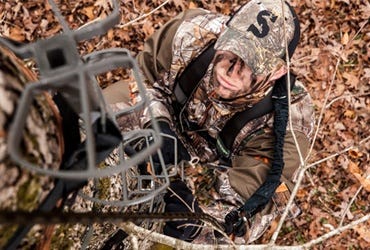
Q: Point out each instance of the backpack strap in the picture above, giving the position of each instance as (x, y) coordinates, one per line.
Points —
(233, 126)
(189, 79)
(187, 82)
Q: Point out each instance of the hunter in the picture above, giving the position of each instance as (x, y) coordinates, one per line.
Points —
(219, 84)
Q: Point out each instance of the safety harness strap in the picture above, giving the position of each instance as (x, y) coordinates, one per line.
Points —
(264, 193)
(233, 126)
(188, 81)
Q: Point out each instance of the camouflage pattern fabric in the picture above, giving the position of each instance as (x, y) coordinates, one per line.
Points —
(191, 37)
(204, 110)
(263, 27)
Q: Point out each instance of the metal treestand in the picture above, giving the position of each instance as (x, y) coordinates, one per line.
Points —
(62, 70)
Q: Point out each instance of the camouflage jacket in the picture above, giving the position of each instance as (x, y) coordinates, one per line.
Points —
(165, 56)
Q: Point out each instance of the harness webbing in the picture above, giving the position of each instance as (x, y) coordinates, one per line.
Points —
(189, 80)
(263, 194)
(233, 126)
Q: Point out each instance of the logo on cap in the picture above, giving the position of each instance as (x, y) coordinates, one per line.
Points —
(264, 28)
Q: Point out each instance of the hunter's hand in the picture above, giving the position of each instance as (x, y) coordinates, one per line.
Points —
(168, 146)
(235, 224)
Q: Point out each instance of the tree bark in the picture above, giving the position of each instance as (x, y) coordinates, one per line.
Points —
(42, 141)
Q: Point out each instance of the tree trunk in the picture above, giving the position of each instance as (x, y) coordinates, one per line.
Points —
(42, 141)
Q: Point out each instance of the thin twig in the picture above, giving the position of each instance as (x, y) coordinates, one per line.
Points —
(345, 96)
(323, 108)
(358, 32)
(349, 205)
(131, 228)
(181, 199)
(339, 153)
(143, 16)
(336, 231)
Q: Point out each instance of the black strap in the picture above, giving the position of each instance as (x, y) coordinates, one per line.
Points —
(187, 82)
(233, 126)
(189, 79)
(264, 193)
(297, 33)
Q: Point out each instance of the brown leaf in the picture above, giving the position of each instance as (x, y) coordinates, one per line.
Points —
(17, 34)
(103, 3)
(353, 168)
(345, 38)
(355, 153)
(350, 114)
(364, 231)
(352, 80)
(89, 12)
(179, 3)
(192, 5)
(110, 34)
(148, 28)
(365, 182)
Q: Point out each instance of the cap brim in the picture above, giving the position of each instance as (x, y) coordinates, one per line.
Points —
(260, 60)
(235, 42)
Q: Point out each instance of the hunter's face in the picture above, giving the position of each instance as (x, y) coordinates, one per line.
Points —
(231, 76)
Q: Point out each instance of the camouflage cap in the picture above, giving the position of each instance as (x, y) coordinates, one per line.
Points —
(257, 33)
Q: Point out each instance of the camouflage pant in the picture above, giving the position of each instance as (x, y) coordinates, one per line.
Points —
(228, 199)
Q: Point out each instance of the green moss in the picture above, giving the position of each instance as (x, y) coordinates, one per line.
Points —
(103, 186)
(300, 238)
(60, 239)
(323, 220)
(28, 194)
(5, 234)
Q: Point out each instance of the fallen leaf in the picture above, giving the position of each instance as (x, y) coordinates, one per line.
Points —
(17, 34)
(352, 80)
(364, 231)
(353, 168)
(192, 5)
(367, 73)
(350, 114)
(345, 38)
(355, 153)
(179, 3)
(105, 4)
(89, 12)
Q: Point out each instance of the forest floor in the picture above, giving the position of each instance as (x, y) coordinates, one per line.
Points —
(332, 60)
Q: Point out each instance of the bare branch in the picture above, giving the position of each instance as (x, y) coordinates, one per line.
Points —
(349, 205)
(339, 153)
(323, 108)
(337, 231)
(141, 233)
(345, 96)
(143, 16)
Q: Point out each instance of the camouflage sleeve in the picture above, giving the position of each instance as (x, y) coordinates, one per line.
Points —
(154, 61)
(155, 58)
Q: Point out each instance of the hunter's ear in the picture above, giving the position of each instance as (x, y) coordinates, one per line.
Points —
(279, 73)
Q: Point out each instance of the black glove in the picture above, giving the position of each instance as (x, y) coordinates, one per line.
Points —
(177, 229)
(168, 146)
(167, 150)
(235, 223)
